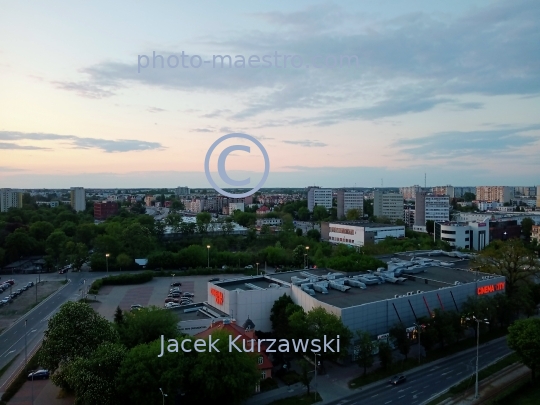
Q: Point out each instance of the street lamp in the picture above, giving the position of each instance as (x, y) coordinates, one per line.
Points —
(315, 360)
(478, 322)
(307, 256)
(107, 261)
(208, 247)
(257, 268)
(164, 395)
(418, 331)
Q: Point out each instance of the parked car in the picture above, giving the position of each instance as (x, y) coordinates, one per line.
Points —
(175, 295)
(136, 307)
(19, 291)
(175, 300)
(30, 284)
(188, 294)
(249, 266)
(397, 379)
(11, 282)
(176, 284)
(175, 289)
(6, 301)
(169, 305)
(39, 375)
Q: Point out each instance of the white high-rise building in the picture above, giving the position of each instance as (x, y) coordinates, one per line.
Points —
(182, 191)
(319, 196)
(78, 198)
(431, 207)
(10, 199)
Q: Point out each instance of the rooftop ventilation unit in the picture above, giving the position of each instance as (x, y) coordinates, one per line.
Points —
(308, 290)
(320, 288)
(273, 285)
(194, 309)
(339, 287)
(419, 292)
(253, 286)
(226, 321)
(355, 283)
(457, 283)
(396, 296)
(410, 293)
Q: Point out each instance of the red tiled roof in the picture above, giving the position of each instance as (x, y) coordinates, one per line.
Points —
(236, 330)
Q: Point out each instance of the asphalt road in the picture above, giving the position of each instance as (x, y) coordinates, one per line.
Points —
(421, 385)
(12, 341)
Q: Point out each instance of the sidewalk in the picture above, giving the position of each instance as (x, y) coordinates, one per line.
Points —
(490, 387)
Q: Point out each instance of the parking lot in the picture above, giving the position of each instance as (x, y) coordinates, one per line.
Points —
(151, 293)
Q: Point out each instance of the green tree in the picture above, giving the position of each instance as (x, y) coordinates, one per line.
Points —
(282, 309)
(137, 240)
(523, 338)
(93, 378)
(203, 220)
(147, 325)
(366, 347)
(86, 232)
(118, 316)
(76, 330)
(403, 343)
(510, 259)
(287, 224)
(526, 227)
(76, 253)
(320, 213)
(298, 255)
(385, 354)
(174, 221)
(303, 214)
(430, 226)
(299, 232)
(41, 230)
(123, 261)
(143, 373)
(208, 384)
(19, 244)
(56, 245)
(353, 214)
(468, 197)
(305, 376)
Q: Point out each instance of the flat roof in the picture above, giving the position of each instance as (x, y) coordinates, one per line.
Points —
(240, 283)
(365, 224)
(195, 315)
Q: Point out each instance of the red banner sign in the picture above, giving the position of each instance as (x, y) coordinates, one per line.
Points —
(486, 289)
(218, 295)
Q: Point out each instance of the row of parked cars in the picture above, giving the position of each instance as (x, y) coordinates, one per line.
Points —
(15, 293)
(176, 297)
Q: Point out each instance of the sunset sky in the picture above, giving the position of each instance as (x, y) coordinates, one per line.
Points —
(451, 89)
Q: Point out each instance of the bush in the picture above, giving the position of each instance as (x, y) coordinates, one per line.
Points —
(290, 378)
(268, 384)
(121, 279)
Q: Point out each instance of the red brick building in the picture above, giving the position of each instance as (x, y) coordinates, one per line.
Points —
(105, 209)
(246, 333)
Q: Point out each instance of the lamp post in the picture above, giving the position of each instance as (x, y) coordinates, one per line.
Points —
(418, 331)
(307, 257)
(478, 322)
(257, 268)
(315, 360)
(107, 261)
(163, 395)
(208, 247)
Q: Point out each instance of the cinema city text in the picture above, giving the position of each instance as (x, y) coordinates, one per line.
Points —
(251, 345)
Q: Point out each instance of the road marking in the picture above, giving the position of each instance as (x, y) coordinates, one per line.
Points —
(413, 392)
(461, 372)
(33, 330)
(8, 353)
(426, 386)
(373, 396)
(448, 377)
(403, 396)
(387, 402)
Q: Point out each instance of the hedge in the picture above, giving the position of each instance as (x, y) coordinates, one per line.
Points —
(121, 279)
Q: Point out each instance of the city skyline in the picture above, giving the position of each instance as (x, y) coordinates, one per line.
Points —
(447, 90)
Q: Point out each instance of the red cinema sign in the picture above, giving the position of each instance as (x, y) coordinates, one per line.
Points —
(486, 289)
(218, 295)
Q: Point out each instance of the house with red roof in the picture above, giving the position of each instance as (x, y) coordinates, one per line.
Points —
(246, 333)
(263, 210)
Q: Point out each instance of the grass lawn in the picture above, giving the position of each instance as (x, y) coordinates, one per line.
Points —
(298, 400)
(530, 395)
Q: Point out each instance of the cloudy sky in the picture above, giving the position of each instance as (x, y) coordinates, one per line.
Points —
(451, 89)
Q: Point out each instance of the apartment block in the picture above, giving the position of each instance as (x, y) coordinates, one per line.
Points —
(409, 193)
(348, 200)
(537, 197)
(525, 191)
(388, 205)
(105, 209)
(10, 199)
(236, 206)
(182, 191)
(431, 207)
(535, 233)
(319, 196)
(78, 198)
(502, 194)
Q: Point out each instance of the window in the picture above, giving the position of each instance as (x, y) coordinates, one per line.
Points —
(260, 359)
(466, 239)
(263, 375)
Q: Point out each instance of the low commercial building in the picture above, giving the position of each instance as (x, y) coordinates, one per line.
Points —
(413, 287)
(269, 222)
(359, 233)
(465, 235)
